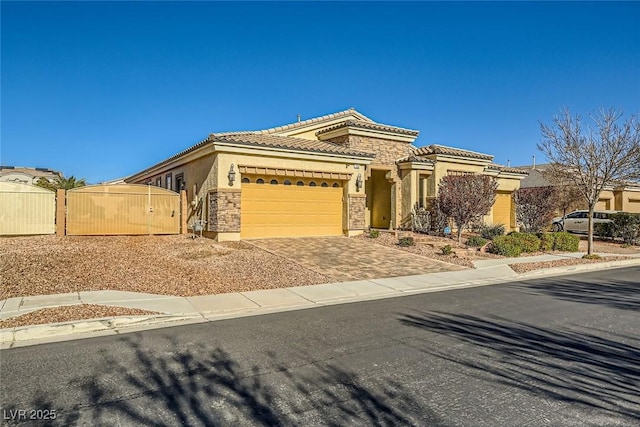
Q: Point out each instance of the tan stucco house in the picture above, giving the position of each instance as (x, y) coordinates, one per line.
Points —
(622, 197)
(27, 175)
(338, 174)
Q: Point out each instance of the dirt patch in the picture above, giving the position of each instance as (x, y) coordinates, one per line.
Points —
(167, 265)
(69, 313)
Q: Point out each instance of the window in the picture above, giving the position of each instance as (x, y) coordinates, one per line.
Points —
(300, 183)
(168, 182)
(335, 185)
(246, 180)
(287, 182)
(324, 184)
(274, 182)
(159, 181)
(179, 182)
(312, 184)
(260, 181)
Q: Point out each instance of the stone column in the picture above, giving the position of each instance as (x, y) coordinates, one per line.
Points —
(224, 211)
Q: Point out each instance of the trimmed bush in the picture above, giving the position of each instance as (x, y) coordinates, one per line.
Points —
(489, 232)
(592, 256)
(447, 250)
(505, 245)
(529, 242)
(566, 242)
(406, 241)
(374, 234)
(627, 226)
(605, 229)
(476, 241)
(546, 241)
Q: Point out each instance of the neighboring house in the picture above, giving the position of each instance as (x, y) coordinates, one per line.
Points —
(621, 197)
(332, 175)
(27, 175)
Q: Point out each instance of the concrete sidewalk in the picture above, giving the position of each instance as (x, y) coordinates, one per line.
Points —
(224, 306)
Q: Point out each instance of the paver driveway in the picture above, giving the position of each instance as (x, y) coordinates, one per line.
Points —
(348, 259)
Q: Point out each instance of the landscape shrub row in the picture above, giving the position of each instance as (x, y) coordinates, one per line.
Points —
(514, 244)
(624, 225)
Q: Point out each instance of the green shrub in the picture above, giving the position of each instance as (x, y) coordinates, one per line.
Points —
(476, 241)
(489, 232)
(546, 241)
(566, 242)
(447, 250)
(505, 245)
(605, 229)
(374, 234)
(627, 226)
(406, 241)
(592, 256)
(529, 242)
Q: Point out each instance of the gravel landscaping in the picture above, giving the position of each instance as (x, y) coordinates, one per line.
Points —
(170, 265)
(70, 312)
(182, 266)
(431, 247)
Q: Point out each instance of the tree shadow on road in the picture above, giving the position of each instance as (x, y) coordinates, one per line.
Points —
(621, 294)
(558, 364)
(203, 385)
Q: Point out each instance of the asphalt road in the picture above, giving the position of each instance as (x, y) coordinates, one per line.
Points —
(549, 352)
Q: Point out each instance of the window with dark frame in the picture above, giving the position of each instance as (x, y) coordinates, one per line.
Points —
(169, 181)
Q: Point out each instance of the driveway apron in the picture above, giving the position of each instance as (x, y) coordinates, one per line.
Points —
(347, 259)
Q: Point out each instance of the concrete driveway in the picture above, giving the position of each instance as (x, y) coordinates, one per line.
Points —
(351, 259)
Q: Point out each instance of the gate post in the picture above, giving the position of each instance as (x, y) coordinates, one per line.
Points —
(61, 212)
(183, 212)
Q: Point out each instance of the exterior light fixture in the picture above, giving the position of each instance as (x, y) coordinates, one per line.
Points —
(232, 176)
(359, 182)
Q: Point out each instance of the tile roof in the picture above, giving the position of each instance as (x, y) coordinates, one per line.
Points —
(288, 143)
(370, 125)
(507, 169)
(415, 159)
(327, 117)
(450, 151)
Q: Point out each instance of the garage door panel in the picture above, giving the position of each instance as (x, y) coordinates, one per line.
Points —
(290, 211)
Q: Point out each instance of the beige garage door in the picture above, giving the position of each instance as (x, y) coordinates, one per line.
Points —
(503, 210)
(277, 207)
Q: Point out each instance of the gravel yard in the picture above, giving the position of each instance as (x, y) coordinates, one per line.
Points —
(431, 247)
(69, 313)
(182, 266)
(169, 265)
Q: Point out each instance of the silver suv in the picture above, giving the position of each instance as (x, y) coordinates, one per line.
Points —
(578, 221)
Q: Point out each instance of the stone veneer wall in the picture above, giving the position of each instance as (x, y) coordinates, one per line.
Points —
(386, 150)
(357, 205)
(224, 211)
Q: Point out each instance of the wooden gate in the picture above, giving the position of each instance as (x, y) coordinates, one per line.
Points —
(129, 209)
(26, 209)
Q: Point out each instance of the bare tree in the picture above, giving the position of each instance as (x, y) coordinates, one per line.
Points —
(535, 207)
(466, 198)
(599, 155)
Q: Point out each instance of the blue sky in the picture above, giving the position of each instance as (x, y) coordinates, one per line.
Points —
(101, 90)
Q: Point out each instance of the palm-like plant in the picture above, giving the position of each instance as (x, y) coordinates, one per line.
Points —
(61, 183)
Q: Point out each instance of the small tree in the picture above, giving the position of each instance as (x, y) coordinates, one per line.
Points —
(594, 157)
(535, 207)
(466, 198)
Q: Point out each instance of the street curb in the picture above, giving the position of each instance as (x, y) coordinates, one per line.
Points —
(10, 336)
(570, 269)
(50, 330)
